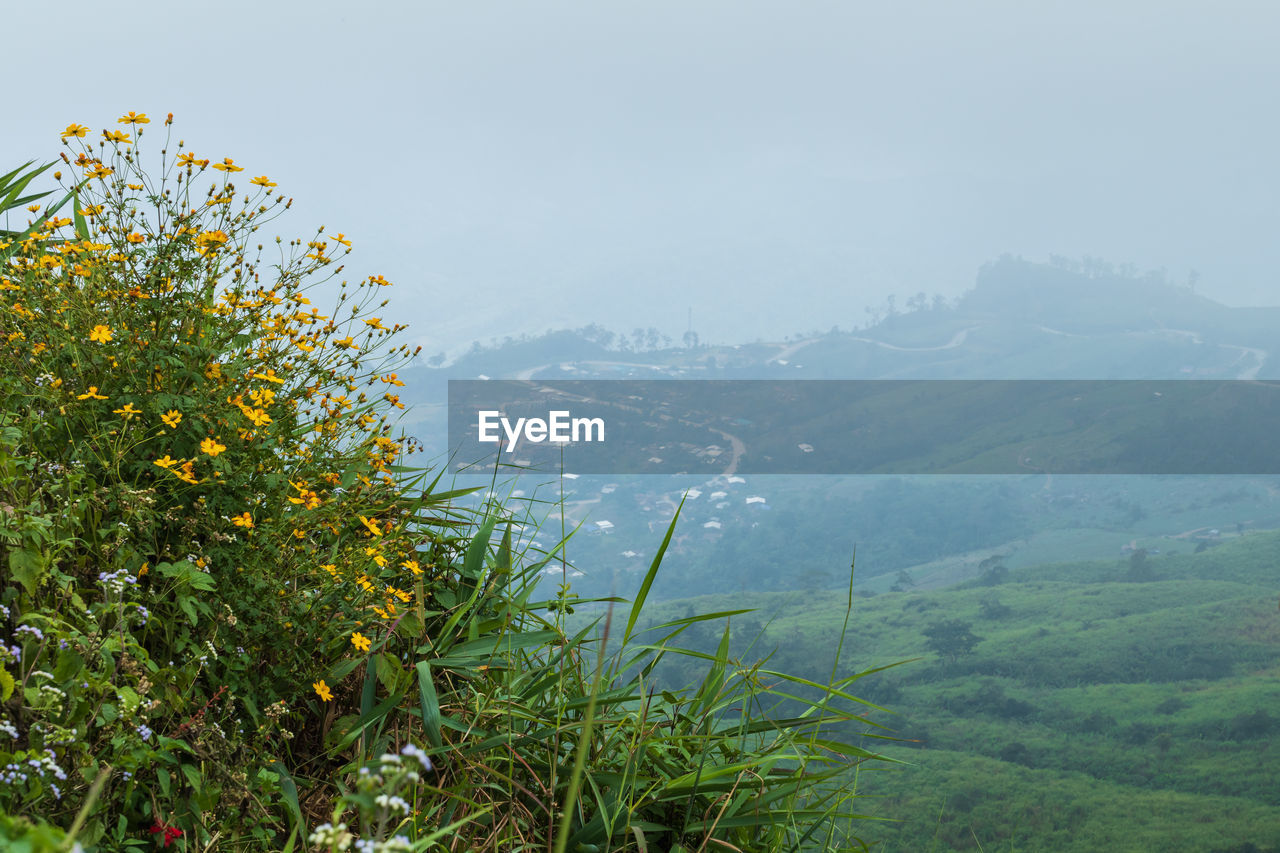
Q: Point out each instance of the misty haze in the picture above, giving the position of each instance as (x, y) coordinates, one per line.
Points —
(258, 592)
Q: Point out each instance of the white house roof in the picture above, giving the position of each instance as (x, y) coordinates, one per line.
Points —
(713, 525)
(604, 525)
(755, 499)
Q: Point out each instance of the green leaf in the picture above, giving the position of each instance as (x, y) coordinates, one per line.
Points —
(193, 777)
(638, 605)
(129, 700)
(187, 573)
(343, 669)
(389, 672)
(82, 227)
(11, 199)
(290, 791)
(6, 687)
(27, 567)
(430, 703)
(710, 688)
(474, 560)
(369, 691)
(411, 624)
(188, 607)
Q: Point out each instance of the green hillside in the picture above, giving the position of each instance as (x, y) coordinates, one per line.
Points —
(1059, 707)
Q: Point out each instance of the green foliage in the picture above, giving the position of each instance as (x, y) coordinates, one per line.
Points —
(1088, 701)
(951, 638)
(234, 617)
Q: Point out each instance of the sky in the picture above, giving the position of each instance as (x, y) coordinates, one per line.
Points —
(764, 168)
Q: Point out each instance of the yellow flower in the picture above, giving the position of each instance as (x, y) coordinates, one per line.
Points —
(211, 447)
(116, 136)
(171, 418)
(309, 499)
(166, 462)
(341, 238)
(243, 520)
(269, 376)
(259, 417)
(373, 527)
(228, 165)
(210, 240)
(412, 565)
(73, 129)
(345, 343)
(133, 118)
(91, 210)
(375, 323)
(322, 690)
(99, 171)
(189, 159)
(360, 641)
(135, 237)
(91, 394)
(187, 474)
(377, 556)
(128, 411)
(100, 334)
(263, 181)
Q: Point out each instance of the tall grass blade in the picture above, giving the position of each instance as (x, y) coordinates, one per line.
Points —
(430, 703)
(638, 605)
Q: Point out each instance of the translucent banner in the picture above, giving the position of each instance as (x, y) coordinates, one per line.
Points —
(867, 426)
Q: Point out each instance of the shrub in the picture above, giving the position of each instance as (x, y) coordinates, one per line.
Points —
(232, 610)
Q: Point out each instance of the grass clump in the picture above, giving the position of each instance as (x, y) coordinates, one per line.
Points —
(235, 617)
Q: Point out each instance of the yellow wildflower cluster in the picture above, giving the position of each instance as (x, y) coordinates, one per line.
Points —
(183, 357)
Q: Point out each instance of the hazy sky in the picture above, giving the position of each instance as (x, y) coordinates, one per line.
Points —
(774, 167)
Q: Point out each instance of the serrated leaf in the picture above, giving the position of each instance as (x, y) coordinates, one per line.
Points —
(389, 672)
(27, 567)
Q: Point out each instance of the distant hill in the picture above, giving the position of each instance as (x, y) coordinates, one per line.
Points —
(1020, 320)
